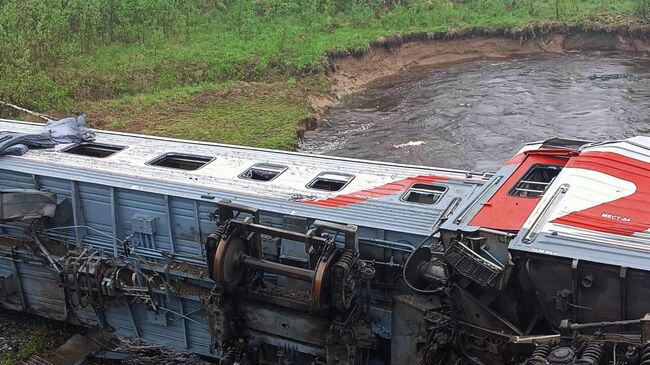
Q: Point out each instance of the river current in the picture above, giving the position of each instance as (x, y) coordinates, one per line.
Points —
(476, 115)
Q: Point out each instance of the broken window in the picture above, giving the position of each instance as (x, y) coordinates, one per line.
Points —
(330, 181)
(263, 172)
(424, 193)
(98, 150)
(535, 181)
(181, 161)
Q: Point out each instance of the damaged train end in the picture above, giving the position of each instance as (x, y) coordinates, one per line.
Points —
(547, 263)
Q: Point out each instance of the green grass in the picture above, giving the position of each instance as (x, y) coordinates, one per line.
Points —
(29, 335)
(254, 114)
(263, 120)
(240, 45)
(137, 55)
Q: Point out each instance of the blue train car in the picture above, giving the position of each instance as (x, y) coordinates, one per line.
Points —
(226, 251)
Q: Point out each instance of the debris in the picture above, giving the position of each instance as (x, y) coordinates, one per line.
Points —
(77, 349)
(409, 144)
(607, 77)
(13, 106)
(67, 130)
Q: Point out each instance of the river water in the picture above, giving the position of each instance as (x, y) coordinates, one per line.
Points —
(476, 115)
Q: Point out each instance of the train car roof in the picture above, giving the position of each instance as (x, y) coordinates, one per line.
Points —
(210, 171)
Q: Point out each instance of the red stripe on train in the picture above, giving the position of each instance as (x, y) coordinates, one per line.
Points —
(391, 188)
(624, 216)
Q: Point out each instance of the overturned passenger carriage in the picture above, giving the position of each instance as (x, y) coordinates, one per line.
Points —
(254, 256)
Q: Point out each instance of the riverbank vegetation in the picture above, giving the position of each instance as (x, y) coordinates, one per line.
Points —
(233, 71)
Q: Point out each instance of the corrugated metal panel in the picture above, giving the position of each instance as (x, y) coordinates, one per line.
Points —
(40, 287)
(386, 213)
(189, 331)
(186, 231)
(200, 338)
(180, 324)
(128, 169)
(407, 217)
(118, 316)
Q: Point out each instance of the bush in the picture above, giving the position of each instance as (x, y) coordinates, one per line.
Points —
(25, 85)
(41, 34)
(643, 8)
(44, 25)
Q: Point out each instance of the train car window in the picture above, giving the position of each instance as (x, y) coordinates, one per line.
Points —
(330, 181)
(181, 161)
(535, 181)
(91, 149)
(424, 193)
(263, 172)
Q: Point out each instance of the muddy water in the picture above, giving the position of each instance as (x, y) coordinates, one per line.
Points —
(476, 115)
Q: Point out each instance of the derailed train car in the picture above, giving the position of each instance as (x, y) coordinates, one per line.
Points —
(253, 256)
(548, 262)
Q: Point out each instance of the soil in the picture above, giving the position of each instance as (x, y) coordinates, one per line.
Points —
(9, 242)
(193, 290)
(354, 73)
(143, 353)
(193, 270)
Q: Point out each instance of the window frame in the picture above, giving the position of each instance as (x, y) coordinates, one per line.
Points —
(117, 149)
(404, 197)
(511, 191)
(324, 173)
(153, 162)
(256, 166)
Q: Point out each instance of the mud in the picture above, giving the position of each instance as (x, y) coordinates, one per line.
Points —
(189, 269)
(55, 248)
(193, 290)
(354, 73)
(290, 293)
(9, 242)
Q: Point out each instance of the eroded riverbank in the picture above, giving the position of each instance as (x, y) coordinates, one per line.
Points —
(354, 73)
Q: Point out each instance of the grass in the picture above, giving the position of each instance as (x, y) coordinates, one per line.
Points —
(240, 45)
(233, 71)
(28, 335)
(265, 120)
(254, 114)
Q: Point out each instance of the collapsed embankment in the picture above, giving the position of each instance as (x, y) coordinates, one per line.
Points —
(353, 70)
